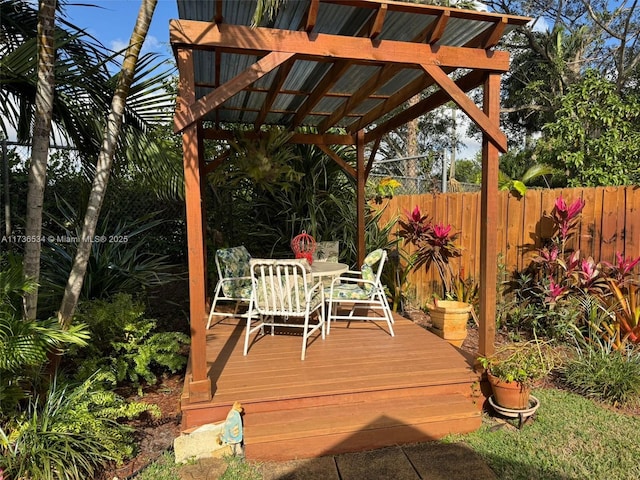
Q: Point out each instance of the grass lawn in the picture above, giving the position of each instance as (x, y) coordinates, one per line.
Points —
(571, 437)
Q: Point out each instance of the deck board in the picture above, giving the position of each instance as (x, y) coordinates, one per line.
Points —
(358, 388)
(355, 356)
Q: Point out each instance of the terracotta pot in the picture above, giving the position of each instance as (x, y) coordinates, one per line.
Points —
(512, 395)
(449, 320)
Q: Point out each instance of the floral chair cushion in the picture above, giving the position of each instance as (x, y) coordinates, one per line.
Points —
(326, 251)
(234, 263)
(353, 291)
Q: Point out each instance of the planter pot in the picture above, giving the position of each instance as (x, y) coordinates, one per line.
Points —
(449, 320)
(511, 395)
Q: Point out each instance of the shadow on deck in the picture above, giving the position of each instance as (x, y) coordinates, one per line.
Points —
(356, 390)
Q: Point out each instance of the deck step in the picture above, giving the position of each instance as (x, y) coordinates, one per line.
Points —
(307, 432)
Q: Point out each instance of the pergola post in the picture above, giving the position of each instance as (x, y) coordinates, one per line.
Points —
(198, 383)
(488, 218)
(361, 179)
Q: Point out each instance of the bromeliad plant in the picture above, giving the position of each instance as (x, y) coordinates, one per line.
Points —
(561, 278)
(434, 243)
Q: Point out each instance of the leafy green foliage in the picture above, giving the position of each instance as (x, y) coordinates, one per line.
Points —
(129, 345)
(595, 137)
(68, 433)
(25, 344)
(164, 468)
(523, 362)
(434, 243)
(239, 469)
(602, 373)
(571, 437)
(120, 261)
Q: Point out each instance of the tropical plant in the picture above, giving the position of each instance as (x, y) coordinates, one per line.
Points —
(434, 243)
(522, 362)
(594, 146)
(25, 343)
(110, 138)
(69, 433)
(80, 71)
(45, 90)
(120, 261)
(621, 325)
(465, 290)
(130, 346)
(601, 372)
(520, 186)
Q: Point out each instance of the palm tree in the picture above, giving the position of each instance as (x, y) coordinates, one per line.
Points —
(105, 161)
(40, 148)
(81, 89)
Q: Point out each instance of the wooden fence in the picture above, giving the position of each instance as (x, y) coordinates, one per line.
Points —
(610, 223)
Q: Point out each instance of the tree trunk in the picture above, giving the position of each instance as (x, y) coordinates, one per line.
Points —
(103, 166)
(39, 149)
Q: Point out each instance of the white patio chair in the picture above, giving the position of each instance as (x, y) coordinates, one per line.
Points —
(283, 291)
(234, 281)
(358, 291)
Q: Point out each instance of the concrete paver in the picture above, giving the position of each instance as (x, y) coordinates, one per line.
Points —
(423, 461)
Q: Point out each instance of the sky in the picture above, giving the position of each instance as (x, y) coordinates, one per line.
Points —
(112, 22)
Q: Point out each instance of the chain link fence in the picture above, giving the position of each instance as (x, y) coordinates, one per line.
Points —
(126, 201)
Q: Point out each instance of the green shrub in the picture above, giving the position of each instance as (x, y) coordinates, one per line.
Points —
(121, 258)
(69, 433)
(605, 374)
(126, 343)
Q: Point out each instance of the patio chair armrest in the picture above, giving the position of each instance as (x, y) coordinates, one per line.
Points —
(233, 279)
(318, 286)
(359, 280)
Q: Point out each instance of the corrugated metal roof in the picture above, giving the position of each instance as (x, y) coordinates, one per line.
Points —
(339, 78)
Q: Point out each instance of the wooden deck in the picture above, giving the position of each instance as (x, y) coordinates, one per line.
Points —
(357, 389)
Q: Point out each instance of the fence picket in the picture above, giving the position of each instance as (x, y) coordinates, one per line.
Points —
(610, 222)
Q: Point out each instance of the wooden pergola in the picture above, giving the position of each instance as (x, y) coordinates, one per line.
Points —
(344, 69)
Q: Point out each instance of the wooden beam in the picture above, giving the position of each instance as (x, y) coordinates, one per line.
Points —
(250, 41)
(488, 127)
(378, 21)
(312, 15)
(437, 99)
(276, 86)
(345, 166)
(199, 383)
(186, 85)
(488, 219)
(372, 156)
(493, 35)
(302, 138)
(215, 163)
(435, 30)
(206, 104)
(426, 9)
(328, 81)
(412, 88)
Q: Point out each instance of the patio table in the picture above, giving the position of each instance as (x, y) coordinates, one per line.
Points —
(328, 269)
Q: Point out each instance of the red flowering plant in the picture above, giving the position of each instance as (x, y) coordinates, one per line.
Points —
(434, 245)
(563, 280)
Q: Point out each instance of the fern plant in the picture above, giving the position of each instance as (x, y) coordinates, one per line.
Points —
(69, 433)
(129, 345)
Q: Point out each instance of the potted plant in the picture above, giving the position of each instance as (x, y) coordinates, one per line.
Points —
(435, 246)
(514, 368)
